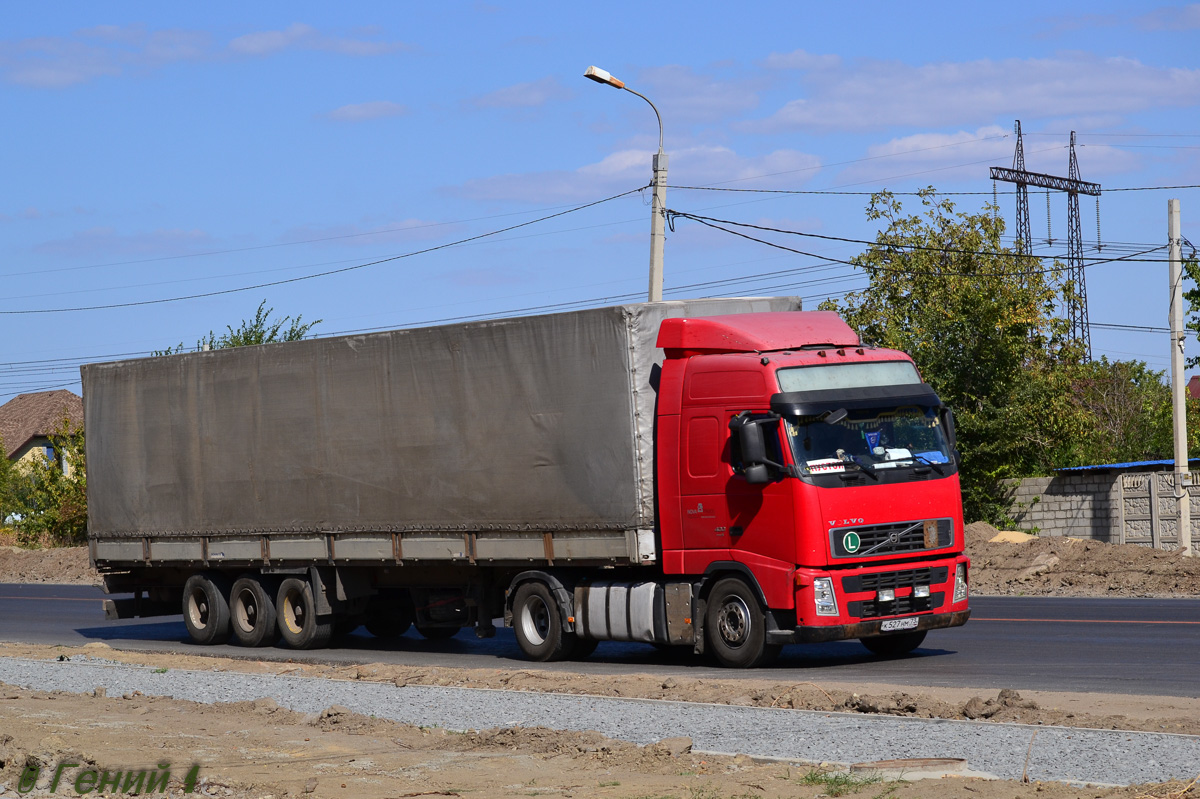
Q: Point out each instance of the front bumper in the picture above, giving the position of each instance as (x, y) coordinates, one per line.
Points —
(863, 629)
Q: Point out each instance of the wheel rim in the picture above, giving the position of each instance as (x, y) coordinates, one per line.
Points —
(198, 608)
(245, 610)
(293, 613)
(535, 621)
(733, 621)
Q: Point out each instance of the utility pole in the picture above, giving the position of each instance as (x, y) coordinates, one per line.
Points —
(1179, 409)
(658, 205)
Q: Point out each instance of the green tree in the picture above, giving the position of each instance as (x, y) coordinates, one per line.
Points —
(1129, 408)
(259, 330)
(978, 318)
(45, 500)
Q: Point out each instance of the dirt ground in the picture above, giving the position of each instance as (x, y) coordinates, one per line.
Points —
(258, 750)
(1033, 566)
(1093, 710)
(1018, 565)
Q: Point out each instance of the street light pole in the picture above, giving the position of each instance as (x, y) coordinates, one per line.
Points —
(658, 203)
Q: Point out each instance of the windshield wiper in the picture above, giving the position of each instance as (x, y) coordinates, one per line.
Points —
(846, 457)
(937, 467)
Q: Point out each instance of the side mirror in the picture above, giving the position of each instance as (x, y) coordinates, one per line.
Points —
(752, 442)
(951, 436)
(757, 474)
(754, 447)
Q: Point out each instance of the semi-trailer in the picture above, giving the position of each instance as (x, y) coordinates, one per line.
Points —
(727, 475)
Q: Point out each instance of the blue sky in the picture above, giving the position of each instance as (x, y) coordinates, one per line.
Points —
(154, 151)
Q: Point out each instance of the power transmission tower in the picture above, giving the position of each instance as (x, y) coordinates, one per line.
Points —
(1077, 311)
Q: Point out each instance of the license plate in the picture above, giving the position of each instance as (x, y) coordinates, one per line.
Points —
(898, 624)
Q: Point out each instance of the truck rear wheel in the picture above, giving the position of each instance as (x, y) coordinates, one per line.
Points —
(736, 626)
(252, 612)
(299, 623)
(538, 624)
(206, 607)
(894, 645)
(437, 633)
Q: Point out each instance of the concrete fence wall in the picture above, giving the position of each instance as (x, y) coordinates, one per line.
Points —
(1114, 507)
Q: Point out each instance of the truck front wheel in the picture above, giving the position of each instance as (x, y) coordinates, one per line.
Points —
(894, 645)
(299, 623)
(538, 624)
(736, 626)
(252, 611)
(206, 608)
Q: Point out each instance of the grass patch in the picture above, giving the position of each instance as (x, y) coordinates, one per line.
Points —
(838, 783)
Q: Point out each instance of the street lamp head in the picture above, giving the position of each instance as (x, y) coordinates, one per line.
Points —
(600, 76)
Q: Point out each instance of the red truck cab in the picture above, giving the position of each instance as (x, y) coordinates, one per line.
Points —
(818, 474)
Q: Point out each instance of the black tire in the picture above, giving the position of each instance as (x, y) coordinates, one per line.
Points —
(252, 611)
(736, 626)
(582, 648)
(206, 607)
(344, 625)
(299, 623)
(437, 633)
(894, 645)
(538, 624)
(389, 617)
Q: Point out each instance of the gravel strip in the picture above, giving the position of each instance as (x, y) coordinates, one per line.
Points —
(1061, 754)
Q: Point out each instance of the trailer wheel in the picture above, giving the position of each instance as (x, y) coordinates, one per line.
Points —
(299, 623)
(736, 627)
(389, 619)
(894, 645)
(206, 607)
(252, 611)
(537, 623)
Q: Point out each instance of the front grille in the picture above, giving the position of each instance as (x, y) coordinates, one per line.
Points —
(900, 606)
(905, 578)
(873, 539)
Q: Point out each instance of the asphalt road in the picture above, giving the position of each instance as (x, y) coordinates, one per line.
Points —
(1129, 646)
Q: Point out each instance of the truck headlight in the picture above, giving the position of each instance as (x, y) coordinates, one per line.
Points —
(960, 583)
(826, 602)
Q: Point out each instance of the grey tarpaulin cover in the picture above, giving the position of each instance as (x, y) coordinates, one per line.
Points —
(536, 423)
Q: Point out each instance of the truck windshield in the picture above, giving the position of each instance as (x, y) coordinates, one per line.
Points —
(870, 441)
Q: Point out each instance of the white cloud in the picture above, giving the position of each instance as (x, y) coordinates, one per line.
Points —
(55, 62)
(107, 242)
(305, 37)
(801, 59)
(362, 112)
(685, 96)
(625, 169)
(364, 233)
(1171, 18)
(938, 158)
(868, 94)
(525, 95)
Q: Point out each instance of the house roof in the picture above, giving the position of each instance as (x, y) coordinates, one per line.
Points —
(27, 416)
